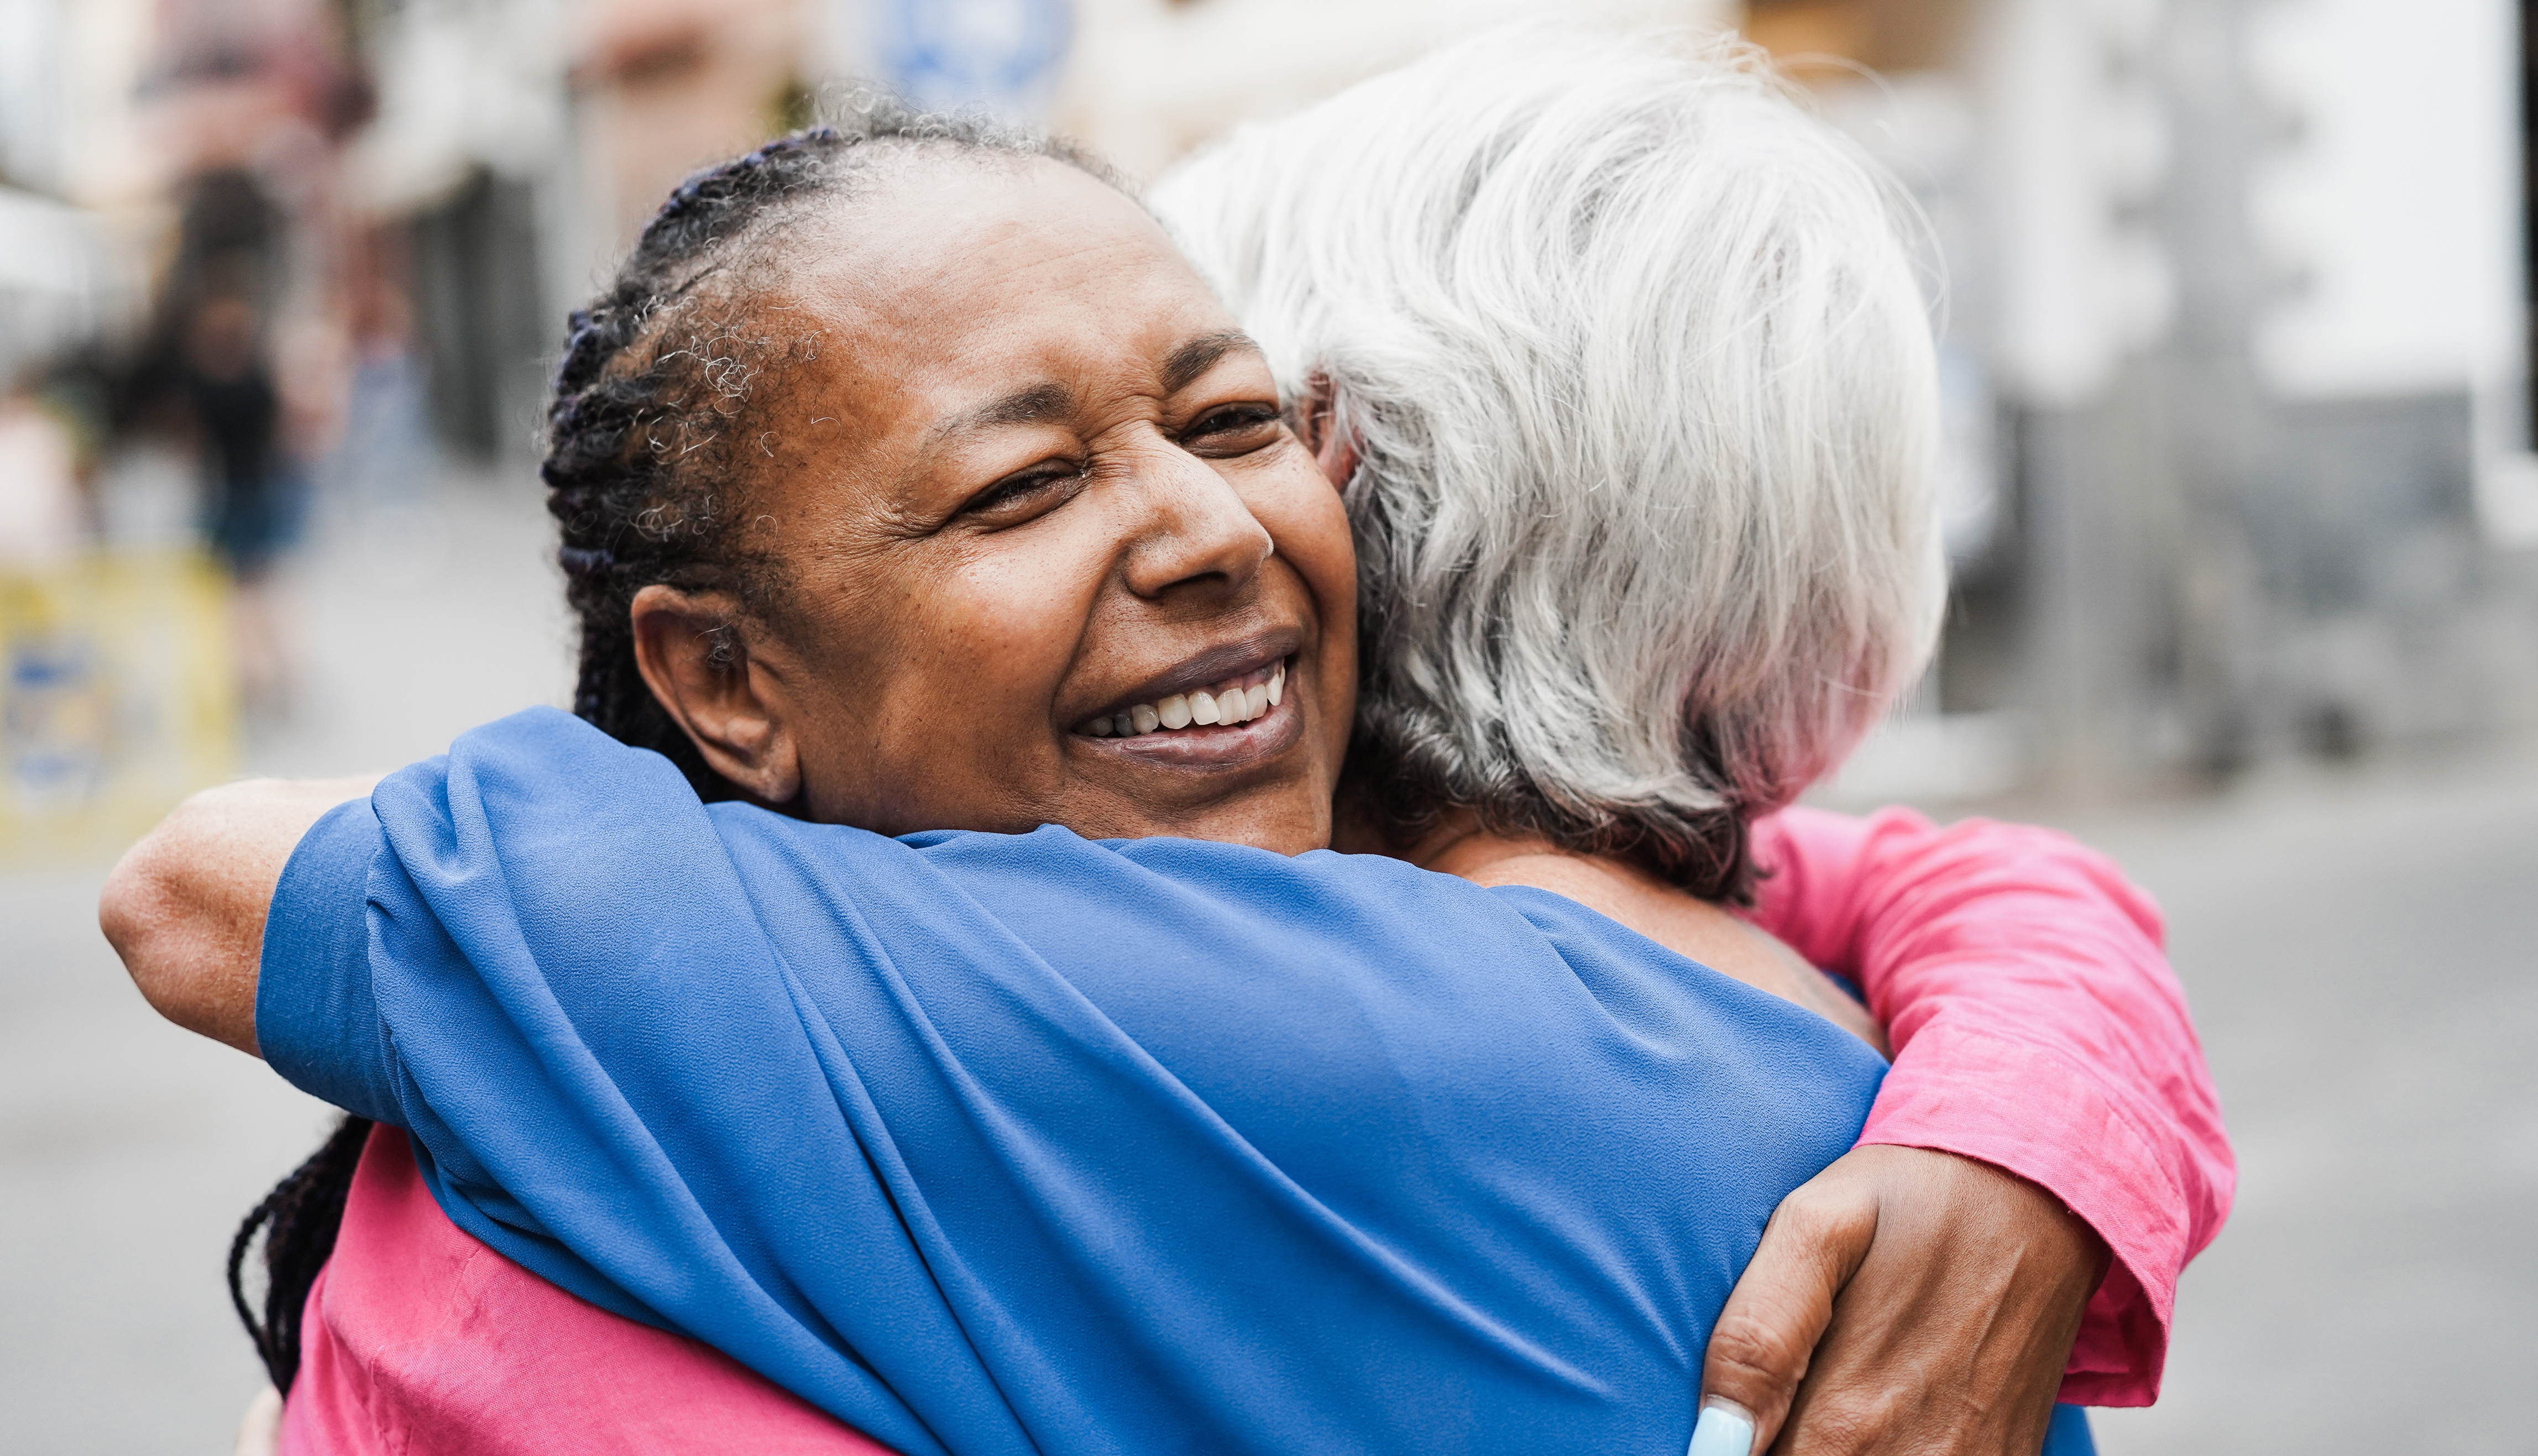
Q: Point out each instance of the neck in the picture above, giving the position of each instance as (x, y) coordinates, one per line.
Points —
(1460, 844)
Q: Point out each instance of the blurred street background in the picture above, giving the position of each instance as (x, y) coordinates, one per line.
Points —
(2242, 498)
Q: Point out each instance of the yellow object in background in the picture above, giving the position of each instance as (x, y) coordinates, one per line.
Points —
(117, 700)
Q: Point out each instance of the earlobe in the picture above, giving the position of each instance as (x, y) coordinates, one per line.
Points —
(695, 653)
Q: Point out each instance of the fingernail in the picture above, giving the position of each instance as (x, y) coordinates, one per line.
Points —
(1723, 1430)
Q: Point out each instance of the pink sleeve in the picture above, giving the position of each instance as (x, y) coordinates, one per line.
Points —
(2036, 1027)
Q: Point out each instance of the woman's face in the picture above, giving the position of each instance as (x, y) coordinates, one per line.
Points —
(1031, 493)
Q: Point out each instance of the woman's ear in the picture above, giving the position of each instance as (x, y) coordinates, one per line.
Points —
(694, 655)
(1334, 450)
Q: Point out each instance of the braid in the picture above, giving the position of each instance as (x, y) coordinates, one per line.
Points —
(653, 378)
(300, 1218)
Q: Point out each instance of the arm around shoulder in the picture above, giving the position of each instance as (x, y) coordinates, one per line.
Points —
(2038, 1028)
(186, 907)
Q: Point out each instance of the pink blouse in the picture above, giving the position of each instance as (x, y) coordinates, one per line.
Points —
(2037, 1028)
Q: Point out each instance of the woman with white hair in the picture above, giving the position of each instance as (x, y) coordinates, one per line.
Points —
(1152, 1142)
(1625, 369)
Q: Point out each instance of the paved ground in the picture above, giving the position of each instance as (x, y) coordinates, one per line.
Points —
(2362, 955)
(2359, 949)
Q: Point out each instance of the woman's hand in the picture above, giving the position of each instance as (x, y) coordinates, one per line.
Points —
(1902, 1301)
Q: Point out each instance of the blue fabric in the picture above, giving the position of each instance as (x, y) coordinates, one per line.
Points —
(991, 1143)
(2069, 1434)
(313, 1010)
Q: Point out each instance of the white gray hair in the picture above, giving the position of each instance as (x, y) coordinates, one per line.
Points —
(1640, 377)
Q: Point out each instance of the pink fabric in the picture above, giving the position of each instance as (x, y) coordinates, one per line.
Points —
(2035, 1023)
(2036, 1027)
(419, 1340)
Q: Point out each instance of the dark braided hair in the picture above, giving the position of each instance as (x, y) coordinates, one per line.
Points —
(300, 1218)
(640, 472)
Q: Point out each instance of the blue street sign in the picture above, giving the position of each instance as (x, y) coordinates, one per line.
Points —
(1000, 54)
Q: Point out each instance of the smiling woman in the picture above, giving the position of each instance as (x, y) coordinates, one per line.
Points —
(839, 559)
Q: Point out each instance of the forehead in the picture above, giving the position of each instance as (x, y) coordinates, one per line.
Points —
(966, 266)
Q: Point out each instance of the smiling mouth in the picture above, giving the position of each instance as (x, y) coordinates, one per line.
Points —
(1232, 702)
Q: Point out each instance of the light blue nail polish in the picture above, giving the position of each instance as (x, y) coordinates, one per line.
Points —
(1723, 1430)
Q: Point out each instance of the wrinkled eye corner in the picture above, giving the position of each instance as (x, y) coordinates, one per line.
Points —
(1234, 428)
(1015, 493)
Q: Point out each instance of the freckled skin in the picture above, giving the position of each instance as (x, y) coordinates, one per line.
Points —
(959, 600)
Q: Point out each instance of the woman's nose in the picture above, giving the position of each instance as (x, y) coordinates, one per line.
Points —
(1196, 529)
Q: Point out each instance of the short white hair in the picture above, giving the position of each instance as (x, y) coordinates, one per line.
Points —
(1635, 356)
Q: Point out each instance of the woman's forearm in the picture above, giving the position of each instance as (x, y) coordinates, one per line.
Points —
(186, 907)
(2038, 1028)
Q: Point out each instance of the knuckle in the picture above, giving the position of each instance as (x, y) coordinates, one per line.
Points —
(1821, 1230)
(1829, 1213)
(1744, 1345)
(1803, 1217)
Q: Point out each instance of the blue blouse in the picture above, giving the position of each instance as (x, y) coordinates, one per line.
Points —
(990, 1144)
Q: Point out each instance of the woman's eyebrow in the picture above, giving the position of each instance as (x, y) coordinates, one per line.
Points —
(1199, 355)
(1184, 366)
(1020, 407)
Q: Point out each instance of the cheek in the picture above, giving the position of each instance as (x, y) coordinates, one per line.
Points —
(1305, 519)
(940, 720)
(982, 645)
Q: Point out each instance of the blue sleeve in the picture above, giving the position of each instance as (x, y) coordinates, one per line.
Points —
(315, 1018)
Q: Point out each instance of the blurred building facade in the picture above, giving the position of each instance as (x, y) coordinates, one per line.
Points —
(2238, 335)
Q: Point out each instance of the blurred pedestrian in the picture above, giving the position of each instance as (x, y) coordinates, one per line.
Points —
(381, 469)
(253, 495)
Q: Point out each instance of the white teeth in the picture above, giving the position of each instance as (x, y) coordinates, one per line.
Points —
(1230, 702)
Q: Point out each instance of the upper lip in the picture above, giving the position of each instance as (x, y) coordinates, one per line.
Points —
(1215, 665)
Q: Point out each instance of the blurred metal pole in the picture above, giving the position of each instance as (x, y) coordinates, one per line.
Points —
(2143, 593)
(2205, 386)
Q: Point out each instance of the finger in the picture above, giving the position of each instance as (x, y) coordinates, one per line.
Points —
(1953, 1333)
(1768, 1331)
